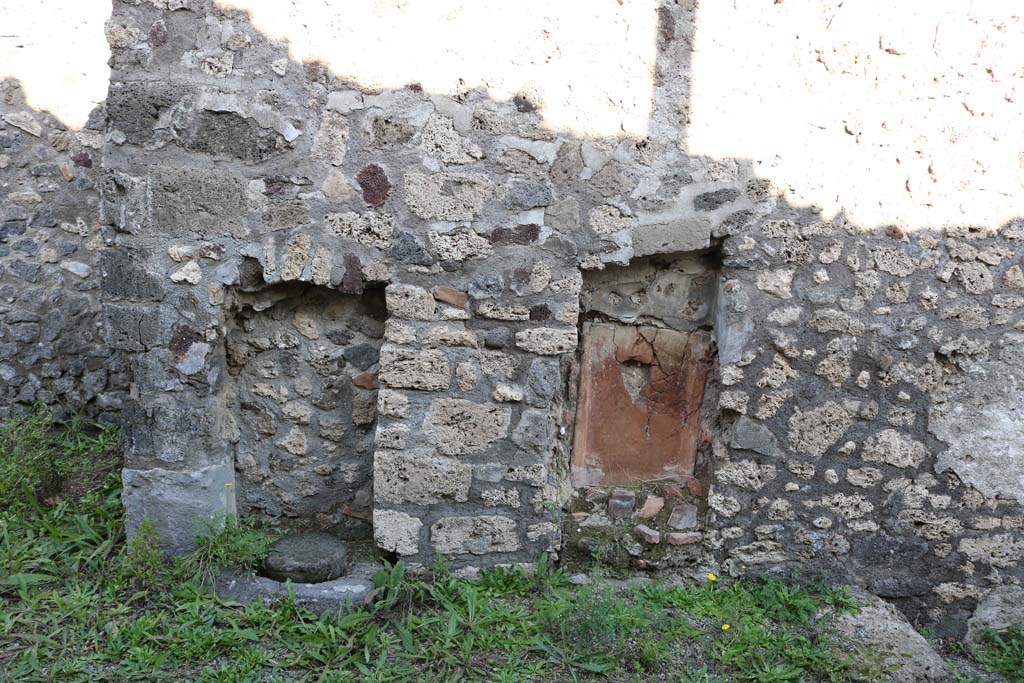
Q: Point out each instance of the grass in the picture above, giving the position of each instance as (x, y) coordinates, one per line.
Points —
(37, 455)
(78, 603)
(1003, 653)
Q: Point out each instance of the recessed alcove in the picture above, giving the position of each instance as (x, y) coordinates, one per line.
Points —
(301, 390)
(638, 455)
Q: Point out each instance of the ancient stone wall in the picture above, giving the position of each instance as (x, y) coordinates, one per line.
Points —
(51, 342)
(862, 412)
(303, 363)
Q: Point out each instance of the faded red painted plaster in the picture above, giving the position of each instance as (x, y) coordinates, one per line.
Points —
(638, 415)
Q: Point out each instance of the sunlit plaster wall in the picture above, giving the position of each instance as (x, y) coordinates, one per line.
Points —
(58, 51)
(589, 64)
(906, 112)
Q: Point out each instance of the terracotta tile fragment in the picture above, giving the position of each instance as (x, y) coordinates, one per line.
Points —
(366, 380)
(450, 296)
(677, 538)
(651, 507)
(647, 534)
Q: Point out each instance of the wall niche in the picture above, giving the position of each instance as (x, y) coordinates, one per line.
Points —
(302, 363)
(638, 460)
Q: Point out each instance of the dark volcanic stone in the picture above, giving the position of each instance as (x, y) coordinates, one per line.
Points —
(408, 250)
(362, 356)
(375, 185)
(522, 195)
(709, 201)
(310, 557)
(497, 338)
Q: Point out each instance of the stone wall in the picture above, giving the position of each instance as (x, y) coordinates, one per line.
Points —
(862, 416)
(51, 348)
(303, 362)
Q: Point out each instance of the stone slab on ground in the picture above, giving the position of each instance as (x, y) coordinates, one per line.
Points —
(338, 596)
(310, 557)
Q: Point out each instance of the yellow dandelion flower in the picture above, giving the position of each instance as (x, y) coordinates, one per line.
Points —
(712, 577)
(227, 485)
(725, 627)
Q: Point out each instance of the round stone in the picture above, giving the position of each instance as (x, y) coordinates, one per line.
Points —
(309, 557)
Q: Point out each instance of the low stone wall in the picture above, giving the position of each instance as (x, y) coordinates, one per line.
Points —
(862, 411)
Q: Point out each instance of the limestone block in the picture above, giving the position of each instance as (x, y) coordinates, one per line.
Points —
(458, 427)
(418, 477)
(392, 403)
(426, 370)
(1002, 608)
(778, 283)
(815, 431)
(447, 196)
(331, 140)
(408, 301)
(746, 474)
(396, 532)
(196, 202)
(547, 341)
(182, 505)
(439, 139)
(460, 246)
(881, 628)
(474, 535)
(894, 448)
(371, 229)
(981, 418)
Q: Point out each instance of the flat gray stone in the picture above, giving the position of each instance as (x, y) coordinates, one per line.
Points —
(309, 557)
(753, 436)
(338, 596)
(683, 516)
(981, 418)
(1002, 608)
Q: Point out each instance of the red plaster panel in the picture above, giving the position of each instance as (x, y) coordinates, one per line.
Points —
(638, 415)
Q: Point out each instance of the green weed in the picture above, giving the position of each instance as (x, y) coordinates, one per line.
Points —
(1003, 652)
(226, 542)
(38, 453)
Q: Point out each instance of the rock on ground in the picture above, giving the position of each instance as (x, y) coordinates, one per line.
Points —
(999, 610)
(884, 631)
(311, 557)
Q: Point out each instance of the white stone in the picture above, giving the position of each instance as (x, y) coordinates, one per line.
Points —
(190, 273)
(396, 532)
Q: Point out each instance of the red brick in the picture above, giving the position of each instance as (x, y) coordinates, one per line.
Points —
(647, 534)
(450, 296)
(670, 491)
(366, 380)
(651, 507)
(694, 487)
(684, 538)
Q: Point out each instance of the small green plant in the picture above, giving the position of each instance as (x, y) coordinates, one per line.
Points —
(701, 675)
(37, 455)
(142, 565)
(392, 588)
(227, 542)
(1003, 652)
